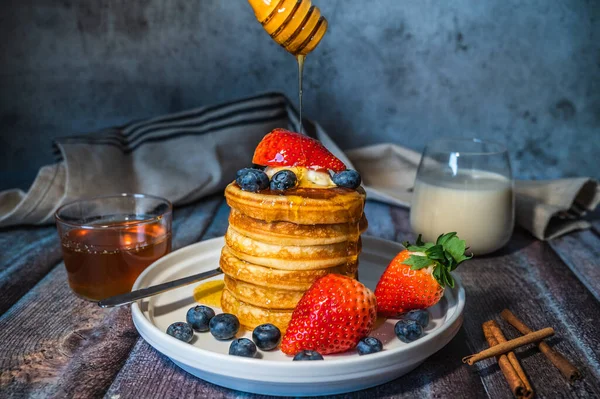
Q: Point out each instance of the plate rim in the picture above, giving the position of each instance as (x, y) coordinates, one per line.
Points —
(152, 331)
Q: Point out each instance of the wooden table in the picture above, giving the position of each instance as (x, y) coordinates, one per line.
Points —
(53, 344)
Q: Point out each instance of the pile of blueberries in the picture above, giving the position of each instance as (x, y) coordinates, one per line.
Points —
(411, 324)
(408, 328)
(266, 337)
(255, 179)
(225, 326)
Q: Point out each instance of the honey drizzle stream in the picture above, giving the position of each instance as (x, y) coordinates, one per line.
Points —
(300, 58)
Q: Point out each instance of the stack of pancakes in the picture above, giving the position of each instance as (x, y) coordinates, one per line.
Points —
(277, 245)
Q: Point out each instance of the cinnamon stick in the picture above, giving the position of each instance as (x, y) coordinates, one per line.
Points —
(512, 358)
(509, 345)
(559, 361)
(514, 381)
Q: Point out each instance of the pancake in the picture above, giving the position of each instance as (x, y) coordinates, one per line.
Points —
(288, 257)
(264, 297)
(251, 316)
(301, 205)
(286, 233)
(276, 278)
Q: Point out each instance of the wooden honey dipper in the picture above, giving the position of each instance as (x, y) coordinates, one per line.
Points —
(296, 25)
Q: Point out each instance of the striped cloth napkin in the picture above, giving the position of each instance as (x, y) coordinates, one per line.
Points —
(192, 154)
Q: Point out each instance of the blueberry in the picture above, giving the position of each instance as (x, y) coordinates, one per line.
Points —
(242, 347)
(369, 345)
(408, 330)
(283, 180)
(241, 172)
(308, 355)
(252, 180)
(182, 331)
(347, 178)
(266, 336)
(420, 316)
(199, 317)
(224, 326)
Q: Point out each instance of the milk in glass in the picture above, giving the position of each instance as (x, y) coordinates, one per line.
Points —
(476, 204)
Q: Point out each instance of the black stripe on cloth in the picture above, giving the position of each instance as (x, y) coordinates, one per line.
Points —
(107, 140)
(131, 128)
(219, 118)
(280, 115)
(56, 152)
(245, 122)
(118, 139)
(102, 134)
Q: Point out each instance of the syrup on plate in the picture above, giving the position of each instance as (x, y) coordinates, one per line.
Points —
(209, 293)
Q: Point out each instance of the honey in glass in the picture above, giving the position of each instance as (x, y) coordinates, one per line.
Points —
(104, 253)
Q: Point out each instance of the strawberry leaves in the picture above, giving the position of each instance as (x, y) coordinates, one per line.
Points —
(444, 256)
(419, 246)
(417, 262)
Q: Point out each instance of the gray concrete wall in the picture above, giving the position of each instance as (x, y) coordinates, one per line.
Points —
(526, 73)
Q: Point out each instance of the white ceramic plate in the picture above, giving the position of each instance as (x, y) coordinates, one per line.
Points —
(274, 373)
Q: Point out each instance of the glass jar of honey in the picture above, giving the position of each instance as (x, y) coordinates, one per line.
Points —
(108, 241)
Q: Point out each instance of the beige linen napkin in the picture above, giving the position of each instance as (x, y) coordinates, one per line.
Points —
(193, 154)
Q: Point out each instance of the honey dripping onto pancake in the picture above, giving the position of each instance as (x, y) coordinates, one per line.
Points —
(297, 26)
(300, 59)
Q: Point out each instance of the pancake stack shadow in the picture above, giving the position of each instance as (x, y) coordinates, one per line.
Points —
(277, 245)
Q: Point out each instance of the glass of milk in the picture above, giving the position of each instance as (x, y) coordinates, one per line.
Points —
(466, 186)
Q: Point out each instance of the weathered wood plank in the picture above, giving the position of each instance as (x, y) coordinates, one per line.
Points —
(531, 280)
(54, 344)
(149, 374)
(27, 255)
(13, 241)
(581, 252)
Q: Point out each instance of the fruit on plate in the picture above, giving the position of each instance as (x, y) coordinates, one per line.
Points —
(281, 147)
(331, 317)
(416, 277)
(266, 336)
(242, 347)
(369, 345)
(199, 316)
(408, 330)
(421, 316)
(182, 331)
(308, 355)
(224, 326)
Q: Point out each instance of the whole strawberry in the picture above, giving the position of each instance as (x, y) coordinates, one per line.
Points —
(332, 316)
(416, 277)
(284, 148)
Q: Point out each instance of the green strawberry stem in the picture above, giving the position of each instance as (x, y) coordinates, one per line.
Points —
(445, 256)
